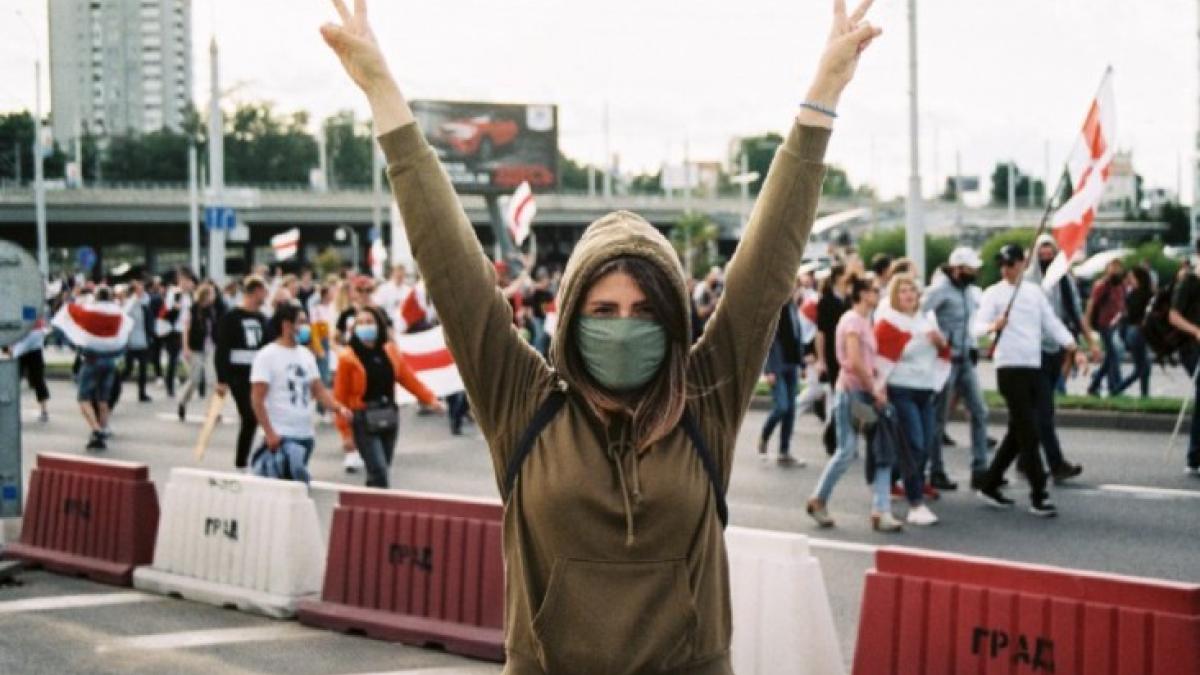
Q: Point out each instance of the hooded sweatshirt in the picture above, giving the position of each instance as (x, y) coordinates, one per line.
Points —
(615, 558)
(1064, 297)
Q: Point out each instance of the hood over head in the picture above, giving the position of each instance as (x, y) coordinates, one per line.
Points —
(618, 234)
(1044, 239)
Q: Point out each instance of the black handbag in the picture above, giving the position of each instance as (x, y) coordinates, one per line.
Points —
(381, 417)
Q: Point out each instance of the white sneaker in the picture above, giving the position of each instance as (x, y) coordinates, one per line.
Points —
(921, 515)
(353, 462)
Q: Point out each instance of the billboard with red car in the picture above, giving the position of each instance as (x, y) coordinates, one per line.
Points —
(493, 147)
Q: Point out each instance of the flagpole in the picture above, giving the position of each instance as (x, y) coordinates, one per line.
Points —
(1046, 213)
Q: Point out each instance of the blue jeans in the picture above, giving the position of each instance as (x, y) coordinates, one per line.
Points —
(1110, 369)
(291, 457)
(847, 445)
(1191, 357)
(964, 381)
(1135, 342)
(783, 397)
(377, 450)
(914, 411)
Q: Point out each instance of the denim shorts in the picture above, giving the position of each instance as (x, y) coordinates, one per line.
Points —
(97, 376)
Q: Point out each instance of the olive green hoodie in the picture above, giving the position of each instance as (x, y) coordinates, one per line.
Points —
(615, 560)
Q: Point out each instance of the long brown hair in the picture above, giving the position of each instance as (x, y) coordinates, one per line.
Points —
(659, 405)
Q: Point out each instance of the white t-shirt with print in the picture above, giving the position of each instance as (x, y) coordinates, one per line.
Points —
(288, 373)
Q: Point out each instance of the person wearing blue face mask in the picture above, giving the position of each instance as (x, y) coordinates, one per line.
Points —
(284, 382)
(367, 375)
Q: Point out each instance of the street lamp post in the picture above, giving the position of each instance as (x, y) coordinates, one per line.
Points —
(39, 176)
(216, 169)
(915, 230)
(341, 235)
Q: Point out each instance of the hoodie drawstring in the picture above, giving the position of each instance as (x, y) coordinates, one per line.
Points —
(615, 456)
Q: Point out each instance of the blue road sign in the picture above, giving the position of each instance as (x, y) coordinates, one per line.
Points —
(220, 218)
(85, 258)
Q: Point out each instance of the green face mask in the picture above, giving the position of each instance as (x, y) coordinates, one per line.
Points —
(621, 354)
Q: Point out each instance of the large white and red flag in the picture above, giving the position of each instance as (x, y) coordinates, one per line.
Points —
(893, 333)
(1088, 171)
(286, 244)
(95, 328)
(521, 210)
(428, 356)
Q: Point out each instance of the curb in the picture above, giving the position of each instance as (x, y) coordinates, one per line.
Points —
(1070, 419)
(1066, 418)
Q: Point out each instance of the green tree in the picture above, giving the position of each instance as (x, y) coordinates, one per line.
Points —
(573, 176)
(262, 146)
(16, 150)
(1179, 226)
(893, 242)
(701, 233)
(1151, 253)
(646, 184)
(348, 142)
(837, 183)
(328, 261)
(759, 151)
(1024, 183)
(156, 156)
(990, 273)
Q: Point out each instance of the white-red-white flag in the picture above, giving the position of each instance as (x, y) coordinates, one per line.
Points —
(287, 244)
(1088, 170)
(415, 309)
(428, 356)
(893, 333)
(521, 210)
(95, 328)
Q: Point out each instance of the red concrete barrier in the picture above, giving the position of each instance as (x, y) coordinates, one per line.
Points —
(417, 569)
(89, 517)
(931, 613)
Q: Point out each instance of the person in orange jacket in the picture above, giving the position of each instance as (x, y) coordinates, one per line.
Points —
(367, 373)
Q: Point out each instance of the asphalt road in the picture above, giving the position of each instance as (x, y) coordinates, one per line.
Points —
(1132, 512)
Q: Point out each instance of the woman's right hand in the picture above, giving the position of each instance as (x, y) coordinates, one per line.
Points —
(356, 47)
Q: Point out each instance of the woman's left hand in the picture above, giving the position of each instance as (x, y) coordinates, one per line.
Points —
(346, 413)
(848, 38)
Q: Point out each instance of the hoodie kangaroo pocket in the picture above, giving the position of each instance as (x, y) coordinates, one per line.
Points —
(615, 618)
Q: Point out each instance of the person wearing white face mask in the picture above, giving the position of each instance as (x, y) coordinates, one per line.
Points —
(284, 382)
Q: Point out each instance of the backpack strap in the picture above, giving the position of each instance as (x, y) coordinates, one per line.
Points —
(710, 465)
(551, 407)
(546, 412)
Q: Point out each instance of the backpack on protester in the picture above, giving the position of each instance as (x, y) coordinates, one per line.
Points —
(1161, 337)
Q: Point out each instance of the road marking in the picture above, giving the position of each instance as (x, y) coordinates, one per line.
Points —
(207, 638)
(74, 601)
(1151, 492)
(448, 670)
(835, 545)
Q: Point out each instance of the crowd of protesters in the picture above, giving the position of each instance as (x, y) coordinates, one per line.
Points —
(194, 336)
(274, 342)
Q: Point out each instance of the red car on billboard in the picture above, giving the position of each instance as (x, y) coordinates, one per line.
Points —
(478, 136)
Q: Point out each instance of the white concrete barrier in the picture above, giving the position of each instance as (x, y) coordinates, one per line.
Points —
(782, 622)
(236, 541)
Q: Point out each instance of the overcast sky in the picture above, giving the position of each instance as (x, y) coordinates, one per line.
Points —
(998, 78)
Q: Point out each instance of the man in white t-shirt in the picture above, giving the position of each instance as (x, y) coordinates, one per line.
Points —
(392, 293)
(284, 382)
